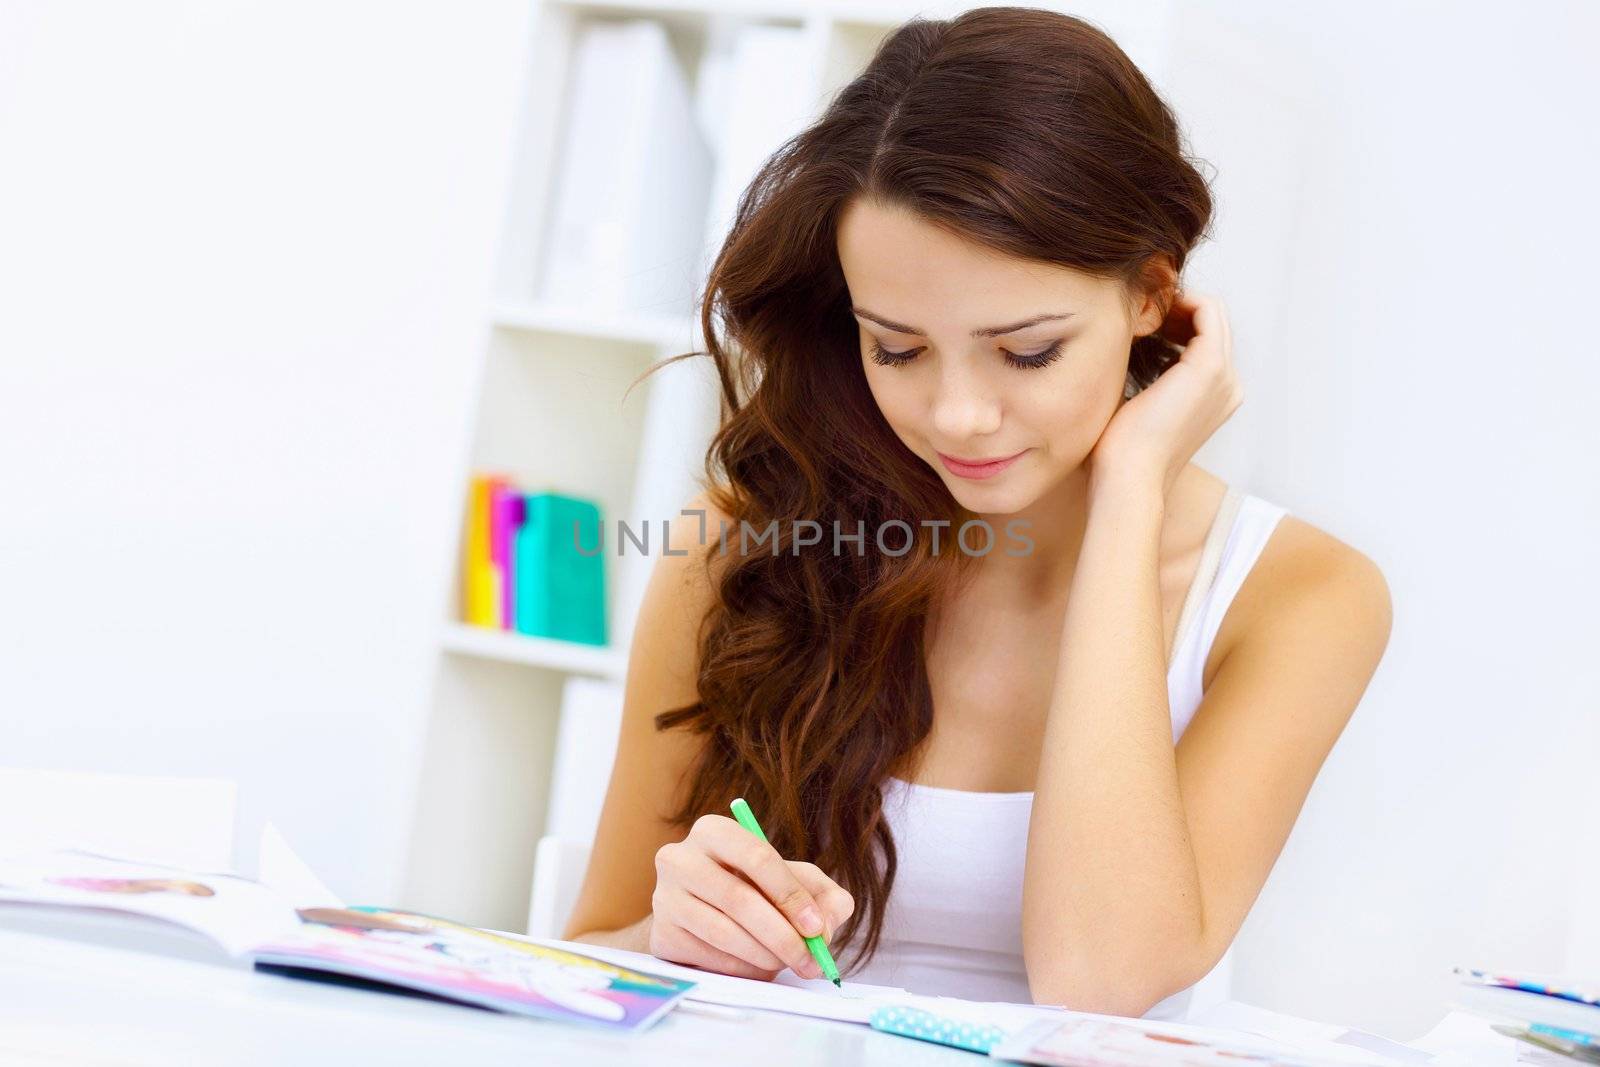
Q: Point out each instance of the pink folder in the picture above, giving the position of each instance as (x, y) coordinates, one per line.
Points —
(505, 516)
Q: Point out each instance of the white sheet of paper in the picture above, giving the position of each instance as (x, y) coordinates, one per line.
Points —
(854, 1002)
(282, 870)
(1461, 1038)
(1308, 1035)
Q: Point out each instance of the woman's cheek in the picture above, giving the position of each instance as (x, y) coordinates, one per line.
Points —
(1059, 405)
(1067, 420)
(897, 401)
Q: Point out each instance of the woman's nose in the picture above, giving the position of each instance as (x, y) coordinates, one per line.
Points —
(964, 405)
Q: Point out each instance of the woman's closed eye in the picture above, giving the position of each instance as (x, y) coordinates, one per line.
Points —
(1025, 360)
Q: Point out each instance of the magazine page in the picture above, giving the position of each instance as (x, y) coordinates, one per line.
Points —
(473, 966)
(1560, 986)
(235, 912)
(1086, 1040)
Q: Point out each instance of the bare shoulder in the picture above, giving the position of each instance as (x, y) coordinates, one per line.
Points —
(680, 592)
(1323, 587)
(1304, 636)
(695, 561)
(701, 521)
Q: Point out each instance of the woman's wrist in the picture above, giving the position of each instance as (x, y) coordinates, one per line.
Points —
(634, 937)
(1126, 487)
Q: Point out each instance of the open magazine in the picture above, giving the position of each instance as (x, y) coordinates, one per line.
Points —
(397, 949)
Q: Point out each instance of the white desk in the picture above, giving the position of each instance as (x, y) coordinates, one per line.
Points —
(68, 1001)
(73, 992)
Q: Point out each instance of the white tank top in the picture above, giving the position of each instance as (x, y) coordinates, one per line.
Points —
(955, 929)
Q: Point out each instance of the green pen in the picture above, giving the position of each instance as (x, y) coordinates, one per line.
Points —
(818, 947)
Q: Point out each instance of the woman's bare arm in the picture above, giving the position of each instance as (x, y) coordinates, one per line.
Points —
(1144, 858)
(613, 907)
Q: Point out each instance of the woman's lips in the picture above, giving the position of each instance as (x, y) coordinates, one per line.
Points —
(983, 468)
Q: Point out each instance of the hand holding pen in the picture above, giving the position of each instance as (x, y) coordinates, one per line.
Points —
(726, 901)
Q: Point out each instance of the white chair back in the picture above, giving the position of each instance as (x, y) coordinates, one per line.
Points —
(558, 866)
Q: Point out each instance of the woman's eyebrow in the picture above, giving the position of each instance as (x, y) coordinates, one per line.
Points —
(990, 331)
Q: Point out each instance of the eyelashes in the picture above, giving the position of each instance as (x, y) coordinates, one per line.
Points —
(885, 358)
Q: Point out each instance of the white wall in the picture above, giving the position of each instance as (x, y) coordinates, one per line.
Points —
(244, 251)
(1420, 379)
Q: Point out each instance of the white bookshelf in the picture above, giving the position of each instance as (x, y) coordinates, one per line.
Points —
(550, 411)
(568, 657)
(533, 316)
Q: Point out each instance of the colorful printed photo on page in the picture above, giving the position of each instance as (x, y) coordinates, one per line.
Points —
(473, 966)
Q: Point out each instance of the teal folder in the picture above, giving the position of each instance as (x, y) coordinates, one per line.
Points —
(560, 572)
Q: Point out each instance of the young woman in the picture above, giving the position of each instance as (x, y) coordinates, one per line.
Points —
(1058, 770)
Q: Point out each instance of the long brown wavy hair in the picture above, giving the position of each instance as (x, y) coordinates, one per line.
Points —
(1025, 130)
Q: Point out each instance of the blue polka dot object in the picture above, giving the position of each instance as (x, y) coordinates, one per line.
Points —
(926, 1026)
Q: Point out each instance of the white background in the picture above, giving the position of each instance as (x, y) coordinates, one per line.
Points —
(244, 255)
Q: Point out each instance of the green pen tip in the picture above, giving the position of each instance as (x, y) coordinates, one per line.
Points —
(836, 984)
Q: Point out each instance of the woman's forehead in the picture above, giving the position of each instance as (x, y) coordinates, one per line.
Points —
(906, 270)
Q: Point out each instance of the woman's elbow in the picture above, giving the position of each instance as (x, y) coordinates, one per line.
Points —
(1106, 990)
(1103, 998)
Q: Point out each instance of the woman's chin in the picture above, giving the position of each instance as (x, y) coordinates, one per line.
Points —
(996, 497)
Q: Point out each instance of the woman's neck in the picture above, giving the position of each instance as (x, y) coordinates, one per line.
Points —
(1055, 524)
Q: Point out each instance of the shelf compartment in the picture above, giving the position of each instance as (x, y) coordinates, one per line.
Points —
(507, 646)
(660, 331)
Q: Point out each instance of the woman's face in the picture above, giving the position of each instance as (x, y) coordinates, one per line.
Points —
(989, 356)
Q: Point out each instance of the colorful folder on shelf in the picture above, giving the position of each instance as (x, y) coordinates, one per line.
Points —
(534, 562)
(479, 579)
(558, 565)
(505, 518)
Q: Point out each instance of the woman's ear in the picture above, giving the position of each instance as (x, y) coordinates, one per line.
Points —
(1157, 282)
